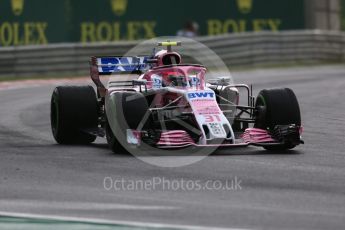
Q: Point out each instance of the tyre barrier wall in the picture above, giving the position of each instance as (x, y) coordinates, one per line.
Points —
(246, 49)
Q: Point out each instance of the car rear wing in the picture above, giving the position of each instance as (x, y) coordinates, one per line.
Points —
(120, 65)
(115, 65)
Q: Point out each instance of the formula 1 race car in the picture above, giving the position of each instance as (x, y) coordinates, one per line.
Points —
(172, 105)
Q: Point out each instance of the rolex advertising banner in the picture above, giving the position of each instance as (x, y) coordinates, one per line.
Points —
(343, 15)
(28, 22)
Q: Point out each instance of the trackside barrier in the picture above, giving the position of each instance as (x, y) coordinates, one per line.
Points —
(245, 49)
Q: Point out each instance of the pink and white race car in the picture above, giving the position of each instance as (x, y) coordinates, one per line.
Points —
(172, 105)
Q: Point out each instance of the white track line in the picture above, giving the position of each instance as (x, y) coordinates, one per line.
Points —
(112, 222)
(85, 205)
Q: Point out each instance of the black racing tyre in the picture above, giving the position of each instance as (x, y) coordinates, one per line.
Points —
(113, 141)
(277, 107)
(74, 109)
(127, 111)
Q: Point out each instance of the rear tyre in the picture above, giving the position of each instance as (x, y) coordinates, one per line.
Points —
(74, 109)
(277, 107)
(126, 110)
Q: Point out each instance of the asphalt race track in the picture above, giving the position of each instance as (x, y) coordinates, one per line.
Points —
(299, 189)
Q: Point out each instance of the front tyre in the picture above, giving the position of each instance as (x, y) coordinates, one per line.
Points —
(125, 110)
(277, 107)
(74, 110)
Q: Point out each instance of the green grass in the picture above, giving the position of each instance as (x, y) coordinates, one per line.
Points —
(13, 223)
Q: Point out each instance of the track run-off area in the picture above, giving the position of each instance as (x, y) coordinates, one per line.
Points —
(299, 189)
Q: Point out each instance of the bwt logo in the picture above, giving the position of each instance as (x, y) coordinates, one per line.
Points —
(201, 95)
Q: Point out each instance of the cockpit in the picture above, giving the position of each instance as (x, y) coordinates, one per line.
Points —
(177, 76)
